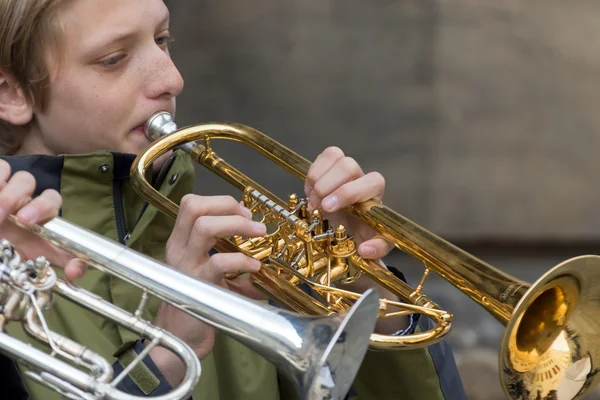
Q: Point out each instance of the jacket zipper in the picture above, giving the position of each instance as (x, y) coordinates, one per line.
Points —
(118, 201)
(122, 233)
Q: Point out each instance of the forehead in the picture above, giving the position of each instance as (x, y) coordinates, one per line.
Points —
(86, 24)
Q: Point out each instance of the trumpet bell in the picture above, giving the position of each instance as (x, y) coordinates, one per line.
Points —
(334, 349)
(550, 348)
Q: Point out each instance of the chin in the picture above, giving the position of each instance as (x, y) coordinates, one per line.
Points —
(137, 147)
(162, 160)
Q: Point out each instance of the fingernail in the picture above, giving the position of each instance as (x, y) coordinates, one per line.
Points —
(367, 251)
(27, 215)
(329, 202)
(247, 212)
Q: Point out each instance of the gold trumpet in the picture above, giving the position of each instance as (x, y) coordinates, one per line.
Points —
(549, 348)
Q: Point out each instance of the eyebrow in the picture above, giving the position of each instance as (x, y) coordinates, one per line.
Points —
(118, 38)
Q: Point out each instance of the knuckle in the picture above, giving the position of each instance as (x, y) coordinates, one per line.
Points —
(24, 178)
(350, 166)
(378, 178)
(216, 261)
(5, 168)
(200, 225)
(186, 200)
(220, 262)
(53, 196)
(333, 152)
(192, 205)
(319, 191)
(186, 203)
(311, 177)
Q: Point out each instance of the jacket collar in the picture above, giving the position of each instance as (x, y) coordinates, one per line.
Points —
(47, 170)
(99, 182)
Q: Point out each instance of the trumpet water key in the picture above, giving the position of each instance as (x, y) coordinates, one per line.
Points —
(550, 349)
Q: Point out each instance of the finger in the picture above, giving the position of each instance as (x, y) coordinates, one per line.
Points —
(207, 229)
(346, 170)
(41, 209)
(74, 270)
(244, 286)
(324, 162)
(4, 173)
(227, 263)
(375, 248)
(367, 187)
(246, 212)
(193, 207)
(16, 193)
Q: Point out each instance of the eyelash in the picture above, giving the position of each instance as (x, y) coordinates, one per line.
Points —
(113, 61)
(164, 41)
(168, 40)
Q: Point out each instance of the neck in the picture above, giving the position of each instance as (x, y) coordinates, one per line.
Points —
(33, 144)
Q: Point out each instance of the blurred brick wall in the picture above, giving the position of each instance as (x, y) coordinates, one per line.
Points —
(480, 114)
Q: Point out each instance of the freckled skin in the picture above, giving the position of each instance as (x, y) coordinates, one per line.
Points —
(93, 106)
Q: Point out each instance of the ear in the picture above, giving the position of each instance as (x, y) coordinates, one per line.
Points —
(14, 107)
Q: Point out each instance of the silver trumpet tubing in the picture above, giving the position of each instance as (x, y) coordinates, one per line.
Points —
(320, 355)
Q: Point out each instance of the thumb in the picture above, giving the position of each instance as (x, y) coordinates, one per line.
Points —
(375, 248)
(75, 269)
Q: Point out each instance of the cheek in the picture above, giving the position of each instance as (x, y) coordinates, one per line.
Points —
(90, 104)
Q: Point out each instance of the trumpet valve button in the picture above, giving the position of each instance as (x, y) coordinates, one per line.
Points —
(292, 202)
(340, 233)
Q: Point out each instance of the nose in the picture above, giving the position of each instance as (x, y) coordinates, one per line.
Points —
(164, 80)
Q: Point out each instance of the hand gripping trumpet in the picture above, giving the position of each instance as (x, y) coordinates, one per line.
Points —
(321, 355)
(550, 347)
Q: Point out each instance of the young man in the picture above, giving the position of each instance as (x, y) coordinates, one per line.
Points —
(78, 79)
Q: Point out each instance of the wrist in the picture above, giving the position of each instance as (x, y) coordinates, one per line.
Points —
(391, 325)
(385, 326)
(172, 368)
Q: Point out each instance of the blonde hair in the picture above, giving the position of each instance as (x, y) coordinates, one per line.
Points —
(26, 29)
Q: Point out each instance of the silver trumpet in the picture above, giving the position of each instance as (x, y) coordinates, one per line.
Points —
(320, 355)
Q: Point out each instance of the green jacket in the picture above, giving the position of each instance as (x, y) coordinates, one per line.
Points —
(97, 195)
